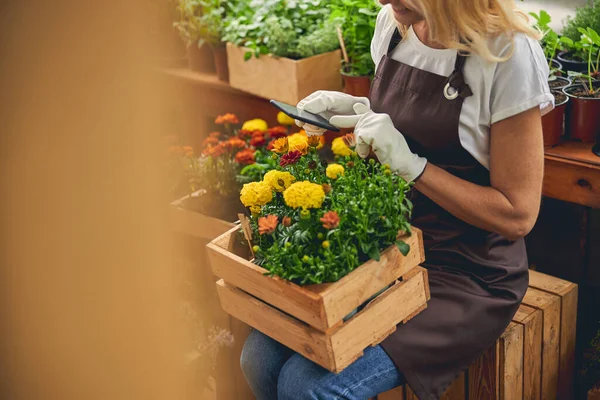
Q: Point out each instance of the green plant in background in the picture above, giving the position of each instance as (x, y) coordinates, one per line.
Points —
(589, 42)
(585, 17)
(357, 19)
(551, 40)
(286, 28)
(201, 21)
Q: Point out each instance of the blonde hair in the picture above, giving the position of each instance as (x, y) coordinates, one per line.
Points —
(466, 25)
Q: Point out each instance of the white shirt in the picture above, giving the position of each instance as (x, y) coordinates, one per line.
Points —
(500, 90)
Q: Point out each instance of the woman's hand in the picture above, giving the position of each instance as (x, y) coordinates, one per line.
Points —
(328, 104)
(377, 132)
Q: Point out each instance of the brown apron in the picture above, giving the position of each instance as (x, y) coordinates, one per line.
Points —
(477, 278)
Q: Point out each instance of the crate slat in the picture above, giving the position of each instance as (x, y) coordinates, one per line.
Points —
(321, 306)
(532, 322)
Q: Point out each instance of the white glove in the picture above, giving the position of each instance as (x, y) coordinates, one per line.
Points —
(328, 104)
(377, 131)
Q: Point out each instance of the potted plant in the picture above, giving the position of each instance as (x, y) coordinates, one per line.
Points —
(584, 115)
(190, 30)
(282, 50)
(212, 20)
(356, 19)
(553, 123)
(315, 254)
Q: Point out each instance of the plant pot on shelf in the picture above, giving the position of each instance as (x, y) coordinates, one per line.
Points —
(584, 114)
(570, 63)
(283, 79)
(200, 59)
(310, 319)
(553, 123)
(558, 82)
(220, 57)
(359, 86)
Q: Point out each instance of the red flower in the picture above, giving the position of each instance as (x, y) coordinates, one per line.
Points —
(245, 157)
(215, 135)
(290, 158)
(258, 141)
(234, 143)
(277, 132)
(267, 224)
(330, 220)
(215, 151)
(227, 119)
(244, 134)
(286, 221)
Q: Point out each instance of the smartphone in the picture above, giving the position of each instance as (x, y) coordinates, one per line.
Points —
(304, 116)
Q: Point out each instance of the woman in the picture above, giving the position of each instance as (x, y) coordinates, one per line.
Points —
(456, 107)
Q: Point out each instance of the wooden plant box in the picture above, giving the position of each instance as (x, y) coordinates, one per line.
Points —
(321, 306)
(283, 79)
(195, 224)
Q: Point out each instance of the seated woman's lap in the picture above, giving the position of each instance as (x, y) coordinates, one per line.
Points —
(273, 371)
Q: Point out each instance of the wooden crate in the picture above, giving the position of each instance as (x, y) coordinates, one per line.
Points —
(321, 306)
(568, 295)
(594, 393)
(549, 304)
(284, 79)
(195, 224)
(342, 345)
(532, 321)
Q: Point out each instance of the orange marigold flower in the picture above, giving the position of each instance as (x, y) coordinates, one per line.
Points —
(245, 157)
(267, 224)
(258, 141)
(277, 132)
(326, 188)
(227, 119)
(257, 133)
(215, 134)
(176, 149)
(330, 220)
(280, 145)
(235, 143)
(210, 141)
(290, 158)
(286, 221)
(314, 141)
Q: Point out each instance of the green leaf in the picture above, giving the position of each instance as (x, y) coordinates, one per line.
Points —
(374, 253)
(247, 55)
(403, 247)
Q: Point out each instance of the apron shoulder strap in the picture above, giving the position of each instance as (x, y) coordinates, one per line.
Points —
(457, 78)
(394, 42)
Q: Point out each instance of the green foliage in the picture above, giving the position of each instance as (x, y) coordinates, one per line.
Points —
(551, 40)
(589, 44)
(201, 21)
(372, 207)
(357, 19)
(585, 17)
(255, 172)
(280, 27)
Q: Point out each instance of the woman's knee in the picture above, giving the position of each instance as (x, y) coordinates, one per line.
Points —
(262, 359)
(303, 379)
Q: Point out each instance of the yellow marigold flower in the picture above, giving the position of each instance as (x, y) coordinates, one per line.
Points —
(298, 142)
(255, 249)
(325, 244)
(339, 147)
(255, 125)
(279, 180)
(255, 210)
(256, 194)
(284, 119)
(334, 171)
(281, 145)
(304, 194)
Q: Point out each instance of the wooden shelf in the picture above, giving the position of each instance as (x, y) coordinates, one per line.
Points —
(574, 151)
(210, 81)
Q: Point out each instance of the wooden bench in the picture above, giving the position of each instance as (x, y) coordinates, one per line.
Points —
(532, 360)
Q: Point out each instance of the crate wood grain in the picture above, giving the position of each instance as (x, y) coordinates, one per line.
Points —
(340, 347)
(568, 293)
(321, 306)
(532, 322)
(283, 79)
(594, 393)
(549, 304)
(195, 224)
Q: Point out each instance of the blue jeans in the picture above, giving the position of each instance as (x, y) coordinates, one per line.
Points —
(273, 372)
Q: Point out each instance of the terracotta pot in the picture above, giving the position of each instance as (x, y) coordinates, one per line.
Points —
(200, 59)
(220, 57)
(584, 116)
(553, 124)
(571, 65)
(557, 65)
(358, 86)
(558, 83)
